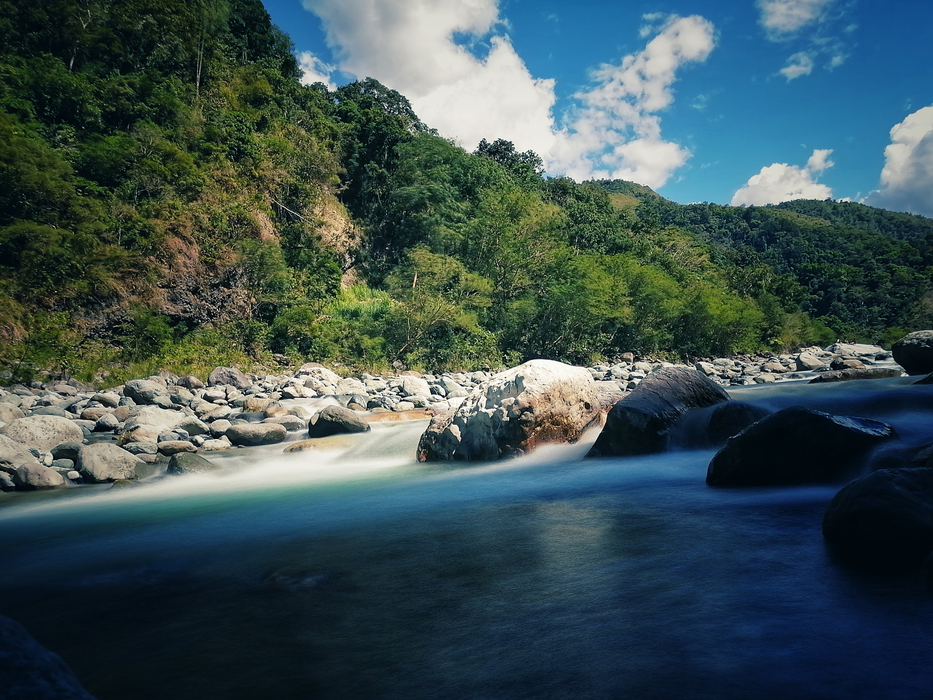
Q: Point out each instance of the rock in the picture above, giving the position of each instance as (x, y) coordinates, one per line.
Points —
(231, 376)
(855, 349)
(845, 375)
(252, 434)
(254, 404)
(808, 362)
(101, 462)
(107, 398)
(332, 420)
(291, 423)
(192, 426)
(513, 412)
(144, 391)
(42, 432)
(107, 423)
(914, 352)
(14, 454)
(66, 450)
(313, 370)
(219, 428)
(148, 423)
(215, 445)
(414, 386)
(186, 463)
(36, 477)
(639, 423)
(729, 419)
(174, 447)
(796, 446)
(141, 448)
(9, 413)
(884, 519)
(190, 382)
(6, 482)
(29, 671)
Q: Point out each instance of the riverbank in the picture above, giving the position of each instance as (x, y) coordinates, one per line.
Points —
(59, 435)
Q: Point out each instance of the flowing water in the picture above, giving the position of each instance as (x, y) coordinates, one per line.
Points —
(355, 572)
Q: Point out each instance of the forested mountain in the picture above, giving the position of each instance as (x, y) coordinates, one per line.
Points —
(171, 195)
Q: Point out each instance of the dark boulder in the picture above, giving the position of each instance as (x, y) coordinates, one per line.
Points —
(332, 420)
(254, 434)
(639, 423)
(29, 670)
(796, 446)
(729, 419)
(883, 520)
(914, 352)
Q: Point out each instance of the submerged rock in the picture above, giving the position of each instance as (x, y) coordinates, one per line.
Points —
(884, 519)
(30, 671)
(639, 423)
(513, 412)
(796, 446)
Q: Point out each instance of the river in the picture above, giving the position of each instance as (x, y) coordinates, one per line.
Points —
(359, 573)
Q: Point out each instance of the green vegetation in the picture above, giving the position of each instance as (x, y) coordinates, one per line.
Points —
(172, 196)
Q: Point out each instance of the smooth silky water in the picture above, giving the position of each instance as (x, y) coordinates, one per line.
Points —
(355, 572)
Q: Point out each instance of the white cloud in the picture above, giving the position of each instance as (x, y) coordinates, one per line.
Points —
(314, 70)
(781, 182)
(783, 18)
(907, 176)
(615, 131)
(801, 63)
(820, 161)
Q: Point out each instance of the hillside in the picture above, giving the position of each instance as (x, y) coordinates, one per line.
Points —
(171, 195)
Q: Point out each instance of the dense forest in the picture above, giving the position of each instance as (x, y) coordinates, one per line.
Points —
(172, 196)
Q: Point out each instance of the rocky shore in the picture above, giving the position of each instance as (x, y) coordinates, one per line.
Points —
(63, 433)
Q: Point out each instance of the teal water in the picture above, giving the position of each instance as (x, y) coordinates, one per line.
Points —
(362, 574)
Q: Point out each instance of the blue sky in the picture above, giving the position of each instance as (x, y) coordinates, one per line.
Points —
(728, 101)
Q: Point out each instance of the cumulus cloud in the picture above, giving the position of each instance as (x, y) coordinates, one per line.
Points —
(907, 176)
(781, 182)
(617, 131)
(314, 70)
(799, 64)
(485, 90)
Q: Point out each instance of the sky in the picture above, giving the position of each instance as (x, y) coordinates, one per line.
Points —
(728, 101)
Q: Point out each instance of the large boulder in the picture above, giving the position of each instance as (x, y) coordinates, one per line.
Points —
(231, 376)
(9, 413)
(332, 420)
(796, 446)
(102, 462)
(513, 412)
(29, 671)
(253, 434)
(639, 423)
(42, 432)
(914, 352)
(883, 520)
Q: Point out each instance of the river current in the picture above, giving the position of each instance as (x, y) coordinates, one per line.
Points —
(356, 572)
